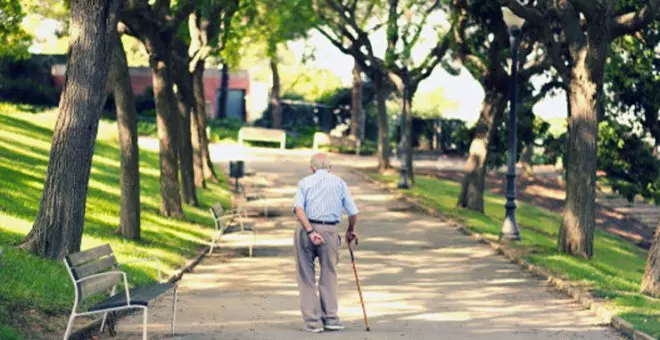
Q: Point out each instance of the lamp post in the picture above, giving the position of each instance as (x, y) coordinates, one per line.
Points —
(403, 181)
(510, 230)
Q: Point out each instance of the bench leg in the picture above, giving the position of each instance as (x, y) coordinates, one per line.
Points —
(173, 311)
(69, 325)
(254, 241)
(144, 325)
(212, 243)
(105, 317)
(265, 208)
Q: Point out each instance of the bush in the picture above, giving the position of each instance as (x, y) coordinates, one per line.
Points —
(554, 149)
(9, 333)
(28, 81)
(147, 128)
(28, 91)
(301, 137)
(368, 148)
(628, 160)
(224, 128)
(145, 103)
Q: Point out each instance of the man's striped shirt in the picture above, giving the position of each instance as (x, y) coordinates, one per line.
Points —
(323, 196)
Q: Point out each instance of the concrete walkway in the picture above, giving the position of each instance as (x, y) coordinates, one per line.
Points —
(421, 280)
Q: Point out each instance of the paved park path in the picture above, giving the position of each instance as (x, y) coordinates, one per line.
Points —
(421, 280)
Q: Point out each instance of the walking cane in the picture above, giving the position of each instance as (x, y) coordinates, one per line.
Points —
(357, 282)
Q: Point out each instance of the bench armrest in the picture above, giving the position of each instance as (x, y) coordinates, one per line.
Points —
(230, 217)
(239, 211)
(114, 272)
(149, 259)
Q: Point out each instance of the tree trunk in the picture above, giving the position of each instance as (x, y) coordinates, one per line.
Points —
(383, 153)
(186, 152)
(526, 160)
(651, 280)
(58, 227)
(472, 189)
(185, 100)
(356, 102)
(224, 90)
(129, 181)
(409, 141)
(168, 131)
(585, 88)
(195, 137)
(208, 172)
(275, 106)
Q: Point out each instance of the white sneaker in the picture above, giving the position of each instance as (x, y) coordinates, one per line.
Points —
(334, 325)
(313, 328)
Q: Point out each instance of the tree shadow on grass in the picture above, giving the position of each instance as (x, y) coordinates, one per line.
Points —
(25, 128)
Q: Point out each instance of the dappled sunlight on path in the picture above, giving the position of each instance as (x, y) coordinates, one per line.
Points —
(421, 279)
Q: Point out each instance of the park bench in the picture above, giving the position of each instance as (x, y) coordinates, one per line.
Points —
(262, 135)
(248, 200)
(322, 138)
(96, 272)
(228, 222)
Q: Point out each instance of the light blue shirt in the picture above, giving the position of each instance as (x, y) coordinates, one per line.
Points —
(323, 196)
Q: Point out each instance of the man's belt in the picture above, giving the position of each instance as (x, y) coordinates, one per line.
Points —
(324, 222)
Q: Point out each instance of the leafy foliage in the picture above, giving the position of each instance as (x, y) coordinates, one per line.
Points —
(632, 77)
(629, 162)
(14, 41)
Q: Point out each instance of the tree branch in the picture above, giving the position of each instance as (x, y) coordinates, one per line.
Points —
(546, 88)
(425, 69)
(173, 22)
(530, 15)
(536, 67)
(634, 21)
(570, 22)
(458, 30)
(588, 7)
(392, 34)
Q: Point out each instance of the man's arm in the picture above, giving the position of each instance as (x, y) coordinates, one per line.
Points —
(350, 232)
(351, 222)
(302, 217)
(352, 212)
(316, 238)
(299, 210)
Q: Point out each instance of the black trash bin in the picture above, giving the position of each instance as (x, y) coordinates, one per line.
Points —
(236, 171)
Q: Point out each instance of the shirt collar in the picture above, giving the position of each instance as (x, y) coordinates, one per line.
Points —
(321, 171)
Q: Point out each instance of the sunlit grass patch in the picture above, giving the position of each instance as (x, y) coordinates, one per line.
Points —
(30, 282)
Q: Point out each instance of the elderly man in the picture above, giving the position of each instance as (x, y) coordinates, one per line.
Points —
(318, 205)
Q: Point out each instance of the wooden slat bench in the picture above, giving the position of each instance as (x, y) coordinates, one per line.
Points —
(262, 135)
(95, 272)
(256, 198)
(228, 223)
(322, 138)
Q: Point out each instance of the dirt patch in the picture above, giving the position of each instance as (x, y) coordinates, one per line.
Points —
(38, 325)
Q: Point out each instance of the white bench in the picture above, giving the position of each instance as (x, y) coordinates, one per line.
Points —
(255, 198)
(262, 135)
(96, 272)
(322, 138)
(230, 222)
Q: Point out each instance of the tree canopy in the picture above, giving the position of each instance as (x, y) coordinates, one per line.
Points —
(14, 41)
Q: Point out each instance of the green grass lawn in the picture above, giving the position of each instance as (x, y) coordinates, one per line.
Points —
(33, 287)
(613, 274)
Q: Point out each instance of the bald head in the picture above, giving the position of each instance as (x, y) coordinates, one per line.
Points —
(320, 161)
